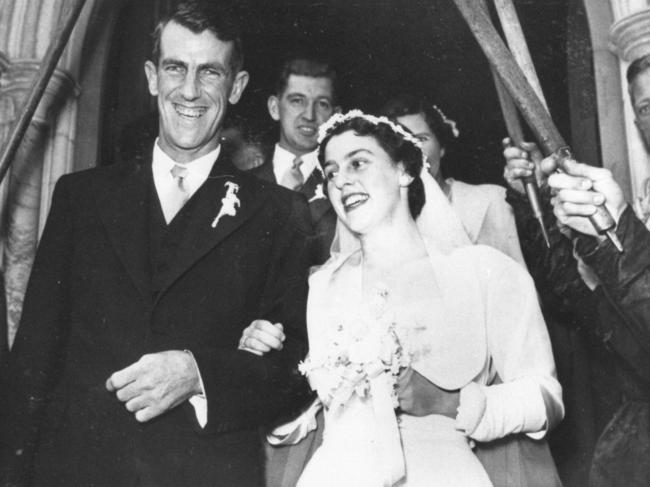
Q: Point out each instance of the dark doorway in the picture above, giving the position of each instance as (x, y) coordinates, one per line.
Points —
(381, 47)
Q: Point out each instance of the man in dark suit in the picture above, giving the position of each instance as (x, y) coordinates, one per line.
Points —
(125, 370)
(305, 96)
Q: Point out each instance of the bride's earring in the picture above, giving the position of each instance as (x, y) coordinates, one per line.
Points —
(405, 180)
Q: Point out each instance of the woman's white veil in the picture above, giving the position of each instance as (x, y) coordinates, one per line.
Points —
(438, 224)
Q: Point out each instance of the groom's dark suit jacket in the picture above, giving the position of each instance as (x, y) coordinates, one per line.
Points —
(323, 216)
(112, 282)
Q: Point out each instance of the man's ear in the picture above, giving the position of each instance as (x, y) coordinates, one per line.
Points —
(151, 72)
(238, 86)
(273, 104)
(442, 152)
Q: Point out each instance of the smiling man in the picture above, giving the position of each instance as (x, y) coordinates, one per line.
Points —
(305, 96)
(125, 369)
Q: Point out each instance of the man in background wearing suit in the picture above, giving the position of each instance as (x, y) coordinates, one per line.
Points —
(305, 96)
(125, 370)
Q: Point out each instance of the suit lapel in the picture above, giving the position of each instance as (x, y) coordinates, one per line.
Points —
(201, 236)
(123, 204)
(265, 171)
(313, 189)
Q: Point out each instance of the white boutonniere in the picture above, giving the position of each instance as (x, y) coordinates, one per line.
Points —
(318, 193)
(229, 203)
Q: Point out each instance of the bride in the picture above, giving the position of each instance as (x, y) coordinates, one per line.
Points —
(418, 344)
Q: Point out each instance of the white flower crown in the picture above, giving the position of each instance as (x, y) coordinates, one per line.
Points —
(339, 119)
(447, 121)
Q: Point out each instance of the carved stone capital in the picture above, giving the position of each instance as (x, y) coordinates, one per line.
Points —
(17, 80)
(630, 36)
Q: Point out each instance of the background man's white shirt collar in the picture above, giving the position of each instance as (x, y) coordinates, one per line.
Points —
(283, 161)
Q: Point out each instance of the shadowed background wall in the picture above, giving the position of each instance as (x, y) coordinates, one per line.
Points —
(380, 48)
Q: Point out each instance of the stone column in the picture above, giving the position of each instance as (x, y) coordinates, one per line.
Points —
(4, 130)
(26, 31)
(630, 38)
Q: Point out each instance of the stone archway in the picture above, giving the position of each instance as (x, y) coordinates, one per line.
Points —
(46, 152)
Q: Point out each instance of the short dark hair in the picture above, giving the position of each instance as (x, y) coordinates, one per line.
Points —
(396, 146)
(253, 130)
(202, 15)
(306, 66)
(407, 104)
(638, 66)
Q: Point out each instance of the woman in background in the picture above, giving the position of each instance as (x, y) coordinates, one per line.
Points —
(482, 208)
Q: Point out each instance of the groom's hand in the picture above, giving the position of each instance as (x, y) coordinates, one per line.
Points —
(418, 396)
(262, 336)
(156, 383)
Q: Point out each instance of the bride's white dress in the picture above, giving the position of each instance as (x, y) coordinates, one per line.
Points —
(478, 334)
(435, 453)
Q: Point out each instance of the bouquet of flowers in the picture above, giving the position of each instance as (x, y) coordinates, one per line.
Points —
(358, 350)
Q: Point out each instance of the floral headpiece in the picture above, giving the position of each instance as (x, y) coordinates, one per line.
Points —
(447, 121)
(339, 119)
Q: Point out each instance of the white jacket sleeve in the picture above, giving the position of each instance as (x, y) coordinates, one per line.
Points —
(529, 397)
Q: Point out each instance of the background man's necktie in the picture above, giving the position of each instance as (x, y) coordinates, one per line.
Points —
(293, 178)
(179, 196)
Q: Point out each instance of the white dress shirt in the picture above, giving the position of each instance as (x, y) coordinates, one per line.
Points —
(198, 171)
(283, 162)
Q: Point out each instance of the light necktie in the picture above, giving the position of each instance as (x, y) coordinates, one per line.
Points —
(179, 195)
(293, 178)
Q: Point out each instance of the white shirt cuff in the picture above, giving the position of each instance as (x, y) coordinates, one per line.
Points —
(199, 401)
